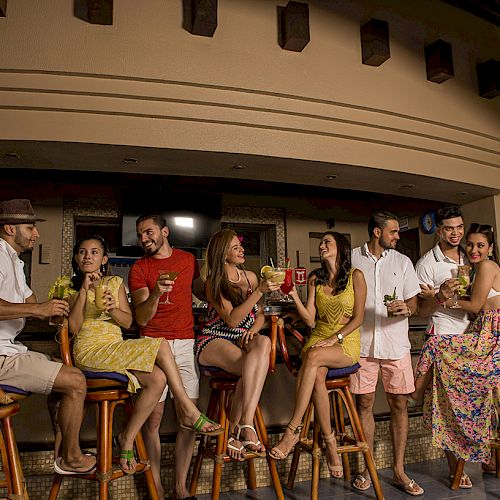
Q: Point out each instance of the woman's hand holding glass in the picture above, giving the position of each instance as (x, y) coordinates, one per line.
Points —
(267, 285)
(448, 289)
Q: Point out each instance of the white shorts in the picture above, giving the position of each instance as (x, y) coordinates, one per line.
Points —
(183, 352)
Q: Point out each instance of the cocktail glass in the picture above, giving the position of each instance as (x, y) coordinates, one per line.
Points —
(287, 285)
(276, 275)
(167, 275)
(462, 274)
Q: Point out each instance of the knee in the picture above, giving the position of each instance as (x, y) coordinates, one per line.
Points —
(311, 358)
(75, 383)
(364, 403)
(319, 382)
(264, 344)
(156, 381)
(152, 424)
(398, 403)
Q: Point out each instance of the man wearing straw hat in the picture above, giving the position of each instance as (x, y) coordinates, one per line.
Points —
(28, 370)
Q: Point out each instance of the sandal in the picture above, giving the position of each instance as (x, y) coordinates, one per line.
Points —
(276, 453)
(129, 456)
(200, 423)
(361, 483)
(412, 488)
(465, 482)
(239, 450)
(336, 471)
(245, 444)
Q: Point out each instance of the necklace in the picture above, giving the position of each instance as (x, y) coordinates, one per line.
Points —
(239, 277)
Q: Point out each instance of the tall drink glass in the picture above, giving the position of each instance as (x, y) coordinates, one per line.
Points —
(287, 285)
(58, 294)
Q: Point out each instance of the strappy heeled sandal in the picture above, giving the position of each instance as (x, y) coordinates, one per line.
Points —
(336, 471)
(253, 443)
(276, 453)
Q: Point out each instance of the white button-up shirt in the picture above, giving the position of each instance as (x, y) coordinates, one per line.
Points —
(433, 269)
(13, 288)
(385, 337)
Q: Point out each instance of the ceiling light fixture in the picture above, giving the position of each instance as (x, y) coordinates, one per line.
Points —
(407, 186)
(130, 161)
(239, 167)
(462, 193)
(13, 156)
(331, 177)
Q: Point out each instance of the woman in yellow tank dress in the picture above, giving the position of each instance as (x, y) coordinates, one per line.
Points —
(147, 362)
(334, 310)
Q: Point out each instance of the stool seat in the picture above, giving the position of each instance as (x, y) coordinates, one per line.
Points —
(334, 373)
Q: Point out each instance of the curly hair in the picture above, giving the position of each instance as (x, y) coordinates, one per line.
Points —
(219, 284)
(343, 263)
(78, 276)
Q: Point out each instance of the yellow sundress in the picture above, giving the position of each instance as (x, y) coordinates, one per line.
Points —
(99, 345)
(329, 310)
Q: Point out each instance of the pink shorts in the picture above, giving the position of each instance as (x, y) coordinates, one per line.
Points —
(397, 375)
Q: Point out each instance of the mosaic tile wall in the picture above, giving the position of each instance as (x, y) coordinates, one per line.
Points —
(37, 467)
(88, 207)
(256, 215)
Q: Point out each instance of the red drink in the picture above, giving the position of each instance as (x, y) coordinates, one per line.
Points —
(287, 285)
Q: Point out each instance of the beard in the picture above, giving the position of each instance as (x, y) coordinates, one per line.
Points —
(23, 243)
(386, 244)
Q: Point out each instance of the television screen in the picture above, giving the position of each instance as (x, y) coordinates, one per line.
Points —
(192, 218)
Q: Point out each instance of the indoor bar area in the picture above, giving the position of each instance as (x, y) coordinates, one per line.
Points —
(248, 249)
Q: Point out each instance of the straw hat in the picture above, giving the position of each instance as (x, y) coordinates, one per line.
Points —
(17, 211)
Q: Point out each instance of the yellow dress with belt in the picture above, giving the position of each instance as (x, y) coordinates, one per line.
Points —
(99, 345)
(330, 309)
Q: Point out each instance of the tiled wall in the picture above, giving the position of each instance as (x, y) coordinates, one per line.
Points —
(37, 466)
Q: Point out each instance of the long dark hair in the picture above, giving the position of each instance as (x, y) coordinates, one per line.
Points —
(78, 276)
(343, 263)
(487, 231)
(219, 284)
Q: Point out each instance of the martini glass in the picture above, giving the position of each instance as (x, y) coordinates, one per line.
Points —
(167, 275)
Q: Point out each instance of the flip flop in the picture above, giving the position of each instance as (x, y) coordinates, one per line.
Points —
(409, 487)
(361, 483)
(198, 426)
(463, 479)
(245, 444)
(235, 448)
(128, 455)
(64, 472)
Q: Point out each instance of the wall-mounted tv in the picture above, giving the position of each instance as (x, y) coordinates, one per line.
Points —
(191, 217)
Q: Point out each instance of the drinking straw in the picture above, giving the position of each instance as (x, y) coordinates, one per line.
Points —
(287, 262)
(272, 263)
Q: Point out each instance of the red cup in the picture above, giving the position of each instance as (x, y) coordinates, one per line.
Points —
(287, 285)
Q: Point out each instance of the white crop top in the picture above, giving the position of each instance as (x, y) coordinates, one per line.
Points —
(493, 293)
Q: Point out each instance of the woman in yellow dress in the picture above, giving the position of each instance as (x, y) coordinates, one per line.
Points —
(98, 346)
(336, 295)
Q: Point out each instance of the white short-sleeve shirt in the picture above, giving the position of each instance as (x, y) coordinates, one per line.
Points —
(433, 269)
(384, 337)
(13, 288)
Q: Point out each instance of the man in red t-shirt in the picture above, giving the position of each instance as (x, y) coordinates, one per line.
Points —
(172, 321)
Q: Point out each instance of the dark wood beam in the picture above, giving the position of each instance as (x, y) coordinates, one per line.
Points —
(3, 8)
(488, 78)
(94, 11)
(375, 42)
(200, 17)
(293, 26)
(439, 61)
(489, 10)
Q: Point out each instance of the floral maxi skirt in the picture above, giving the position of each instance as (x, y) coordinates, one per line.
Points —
(458, 405)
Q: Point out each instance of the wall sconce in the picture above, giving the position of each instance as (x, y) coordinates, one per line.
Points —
(3, 8)
(293, 26)
(488, 78)
(375, 42)
(439, 61)
(94, 11)
(200, 17)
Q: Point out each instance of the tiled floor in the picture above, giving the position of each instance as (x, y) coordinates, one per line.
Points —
(432, 476)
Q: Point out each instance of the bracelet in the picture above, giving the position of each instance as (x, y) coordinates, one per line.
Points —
(440, 302)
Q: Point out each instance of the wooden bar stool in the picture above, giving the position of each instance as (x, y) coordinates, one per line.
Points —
(337, 383)
(106, 390)
(222, 385)
(14, 478)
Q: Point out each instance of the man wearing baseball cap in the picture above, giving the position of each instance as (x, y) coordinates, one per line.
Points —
(29, 370)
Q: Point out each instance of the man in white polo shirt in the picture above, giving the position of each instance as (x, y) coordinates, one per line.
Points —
(385, 345)
(434, 270)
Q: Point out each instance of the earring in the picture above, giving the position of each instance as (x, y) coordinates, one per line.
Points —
(490, 253)
(103, 269)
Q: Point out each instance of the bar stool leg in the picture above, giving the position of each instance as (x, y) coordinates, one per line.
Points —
(338, 411)
(221, 445)
(316, 459)
(497, 459)
(459, 469)
(297, 451)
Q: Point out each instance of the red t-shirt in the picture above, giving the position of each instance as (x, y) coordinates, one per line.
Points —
(171, 321)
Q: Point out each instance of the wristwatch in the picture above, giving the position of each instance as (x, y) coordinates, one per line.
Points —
(340, 338)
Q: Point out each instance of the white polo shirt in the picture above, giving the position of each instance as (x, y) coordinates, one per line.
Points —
(384, 337)
(13, 288)
(433, 269)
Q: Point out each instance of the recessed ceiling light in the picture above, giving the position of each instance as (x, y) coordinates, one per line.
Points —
(462, 193)
(407, 186)
(130, 161)
(239, 167)
(331, 177)
(14, 156)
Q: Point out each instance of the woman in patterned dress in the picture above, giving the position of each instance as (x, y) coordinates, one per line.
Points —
(336, 295)
(230, 337)
(99, 346)
(466, 368)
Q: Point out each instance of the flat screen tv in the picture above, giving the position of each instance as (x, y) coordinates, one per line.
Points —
(191, 217)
